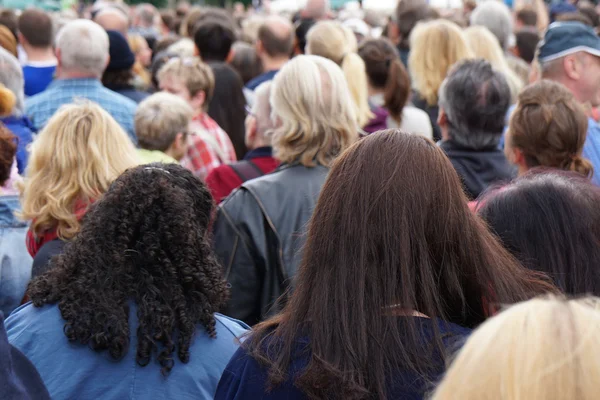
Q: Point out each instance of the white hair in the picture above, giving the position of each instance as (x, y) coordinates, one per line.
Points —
(317, 9)
(183, 48)
(11, 76)
(262, 109)
(83, 47)
(496, 16)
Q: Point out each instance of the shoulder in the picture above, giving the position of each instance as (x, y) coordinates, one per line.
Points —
(118, 100)
(39, 99)
(29, 322)
(231, 326)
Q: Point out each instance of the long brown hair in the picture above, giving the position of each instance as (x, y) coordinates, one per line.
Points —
(391, 227)
(386, 72)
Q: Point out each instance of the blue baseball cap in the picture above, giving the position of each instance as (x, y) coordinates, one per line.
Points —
(564, 38)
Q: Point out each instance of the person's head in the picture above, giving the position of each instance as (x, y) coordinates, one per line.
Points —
(316, 9)
(496, 16)
(575, 16)
(146, 243)
(275, 39)
(550, 221)
(303, 26)
(570, 55)
(548, 129)
(589, 10)
(331, 40)
(7, 102)
(141, 50)
(190, 79)
(8, 41)
(167, 21)
(526, 42)
(121, 61)
(8, 150)
(408, 13)
(545, 348)
(112, 19)
(213, 39)
(11, 76)
(245, 61)
(259, 125)
(228, 105)
(162, 123)
(474, 100)
(75, 158)
(526, 17)
(317, 129)
(435, 47)
(164, 43)
(36, 29)
(82, 50)
(484, 45)
(386, 74)
(10, 20)
(145, 16)
(190, 19)
(362, 261)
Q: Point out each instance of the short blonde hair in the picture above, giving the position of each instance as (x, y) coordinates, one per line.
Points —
(331, 40)
(75, 158)
(159, 119)
(312, 103)
(542, 349)
(484, 45)
(195, 75)
(435, 47)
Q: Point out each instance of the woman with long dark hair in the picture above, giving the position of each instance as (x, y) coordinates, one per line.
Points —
(550, 221)
(140, 283)
(392, 276)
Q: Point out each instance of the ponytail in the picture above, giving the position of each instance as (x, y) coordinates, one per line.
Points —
(356, 76)
(397, 89)
(582, 166)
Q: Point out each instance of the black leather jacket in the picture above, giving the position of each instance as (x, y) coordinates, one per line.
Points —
(258, 236)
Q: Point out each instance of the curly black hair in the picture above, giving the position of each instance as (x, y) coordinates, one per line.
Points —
(146, 242)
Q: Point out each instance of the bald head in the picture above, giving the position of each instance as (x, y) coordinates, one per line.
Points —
(276, 37)
(316, 9)
(112, 19)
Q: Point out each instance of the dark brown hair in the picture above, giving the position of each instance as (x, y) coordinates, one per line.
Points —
(168, 19)
(550, 127)
(274, 44)
(36, 26)
(8, 149)
(528, 16)
(408, 14)
(391, 227)
(385, 71)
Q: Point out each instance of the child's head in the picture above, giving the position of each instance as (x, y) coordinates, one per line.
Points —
(190, 79)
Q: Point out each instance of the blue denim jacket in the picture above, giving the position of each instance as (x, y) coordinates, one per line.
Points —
(15, 261)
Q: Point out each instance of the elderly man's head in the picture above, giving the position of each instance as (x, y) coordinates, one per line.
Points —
(112, 19)
(82, 50)
(259, 125)
(495, 16)
(316, 9)
(473, 102)
(11, 76)
(275, 38)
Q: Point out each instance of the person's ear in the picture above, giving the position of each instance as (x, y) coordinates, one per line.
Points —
(572, 67)
(198, 100)
(21, 38)
(251, 130)
(230, 56)
(394, 32)
(442, 119)
(259, 47)
(515, 51)
(197, 52)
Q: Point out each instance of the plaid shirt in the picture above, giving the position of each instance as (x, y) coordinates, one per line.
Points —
(209, 147)
(41, 107)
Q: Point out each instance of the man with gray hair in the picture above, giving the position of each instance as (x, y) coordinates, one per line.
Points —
(473, 102)
(82, 54)
(259, 159)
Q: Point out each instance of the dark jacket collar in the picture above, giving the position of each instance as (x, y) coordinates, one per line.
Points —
(266, 151)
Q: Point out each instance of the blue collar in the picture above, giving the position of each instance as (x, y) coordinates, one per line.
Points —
(76, 82)
(266, 151)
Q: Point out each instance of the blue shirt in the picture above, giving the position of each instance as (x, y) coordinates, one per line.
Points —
(38, 77)
(244, 378)
(23, 129)
(41, 108)
(74, 371)
(256, 82)
(591, 149)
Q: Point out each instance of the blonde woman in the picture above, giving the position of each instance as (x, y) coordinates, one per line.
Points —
(73, 161)
(259, 228)
(143, 60)
(435, 47)
(484, 45)
(543, 349)
(331, 40)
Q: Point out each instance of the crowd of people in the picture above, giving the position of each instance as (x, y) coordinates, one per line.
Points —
(335, 204)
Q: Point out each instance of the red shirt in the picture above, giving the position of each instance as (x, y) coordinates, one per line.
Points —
(223, 180)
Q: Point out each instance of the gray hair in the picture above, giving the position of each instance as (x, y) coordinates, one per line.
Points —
(83, 47)
(496, 16)
(262, 109)
(11, 76)
(475, 99)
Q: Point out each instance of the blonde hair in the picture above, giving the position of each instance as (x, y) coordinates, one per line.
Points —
(195, 75)
(318, 128)
(435, 47)
(159, 119)
(7, 101)
(542, 349)
(136, 43)
(484, 45)
(75, 158)
(331, 40)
